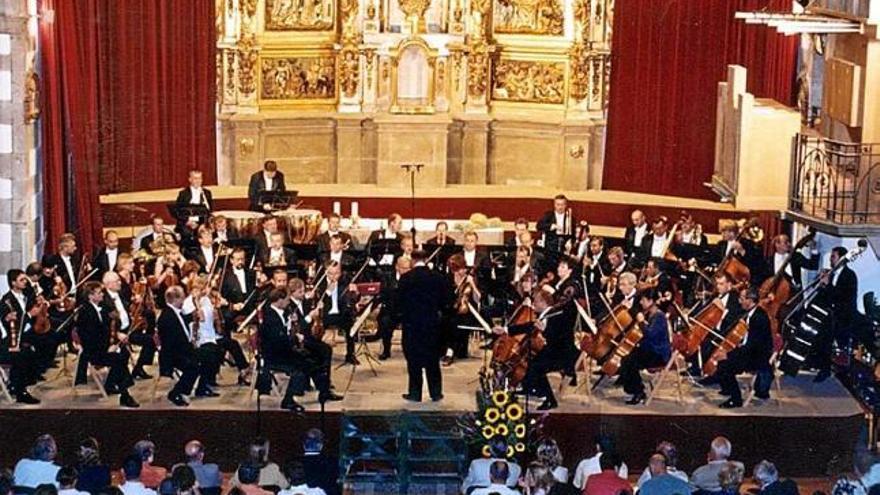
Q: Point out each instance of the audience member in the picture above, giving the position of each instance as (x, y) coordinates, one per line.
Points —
(299, 484)
(151, 475)
(93, 474)
(132, 467)
(499, 479)
(208, 475)
(46, 489)
(863, 465)
(589, 466)
(269, 473)
(608, 481)
(248, 475)
(660, 481)
(322, 470)
(67, 478)
(705, 478)
(731, 477)
(670, 452)
(185, 479)
(40, 467)
(6, 483)
(480, 469)
(767, 478)
(168, 486)
(549, 455)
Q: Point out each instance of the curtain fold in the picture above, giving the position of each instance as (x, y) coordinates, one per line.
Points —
(667, 58)
(129, 94)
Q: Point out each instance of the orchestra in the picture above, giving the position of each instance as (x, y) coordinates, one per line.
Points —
(211, 291)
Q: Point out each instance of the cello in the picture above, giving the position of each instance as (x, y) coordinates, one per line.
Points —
(730, 342)
(776, 291)
(629, 342)
(733, 266)
(700, 326)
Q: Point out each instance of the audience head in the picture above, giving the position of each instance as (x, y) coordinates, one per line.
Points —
(131, 467)
(609, 461)
(89, 452)
(765, 473)
(66, 477)
(45, 448)
(146, 449)
(670, 453)
(248, 474)
(46, 489)
(548, 453)
(719, 449)
(313, 441)
(657, 464)
(258, 453)
(730, 476)
(499, 472)
(194, 451)
(184, 477)
(168, 486)
(296, 473)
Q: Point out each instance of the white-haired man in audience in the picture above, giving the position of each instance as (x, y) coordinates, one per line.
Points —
(661, 481)
(670, 453)
(39, 468)
(480, 471)
(499, 476)
(207, 474)
(767, 478)
(706, 476)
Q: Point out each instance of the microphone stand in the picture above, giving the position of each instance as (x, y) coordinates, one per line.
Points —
(412, 169)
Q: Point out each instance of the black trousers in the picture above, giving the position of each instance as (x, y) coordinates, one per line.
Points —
(840, 330)
(639, 359)
(190, 371)
(544, 362)
(148, 348)
(387, 323)
(299, 367)
(118, 376)
(231, 346)
(736, 364)
(22, 369)
(416, 364)
(343, 323)
(456, 339)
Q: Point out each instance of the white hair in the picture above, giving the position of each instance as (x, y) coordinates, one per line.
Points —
(765, 473)
(721, 448)
(109, 277)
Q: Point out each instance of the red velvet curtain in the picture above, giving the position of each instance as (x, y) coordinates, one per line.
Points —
(667, 58)
(129, 90)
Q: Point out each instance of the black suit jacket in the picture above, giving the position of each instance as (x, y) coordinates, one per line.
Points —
(173, 336)
(196, 254)
(345, 301)
(323, 241)
(423, 295)
(184, 196)
(347, 260)
(94, 332)
(758, 347)
(232, 291)
(258, 185)
(7, 305)
(54, 260)
(544, 226)
(289, 257)
(843, 296)
(102, 262)
(275, 343)
(145, 242)
(629, 239)
(734, 312)
(434, 241)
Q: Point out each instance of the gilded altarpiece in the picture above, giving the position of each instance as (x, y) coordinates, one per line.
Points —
(344, 91)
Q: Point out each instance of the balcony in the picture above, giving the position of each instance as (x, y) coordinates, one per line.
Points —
(859, 10)
(835, 186)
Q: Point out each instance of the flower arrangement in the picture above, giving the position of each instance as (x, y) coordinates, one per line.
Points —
(500, 421)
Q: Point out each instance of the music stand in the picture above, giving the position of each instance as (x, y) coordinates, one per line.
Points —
(277, 200)
(381, 247)
(183, 212)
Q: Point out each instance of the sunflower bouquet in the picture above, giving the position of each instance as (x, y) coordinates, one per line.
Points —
(499, 417)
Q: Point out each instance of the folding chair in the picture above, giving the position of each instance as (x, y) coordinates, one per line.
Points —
(4, 379)
(92, 371)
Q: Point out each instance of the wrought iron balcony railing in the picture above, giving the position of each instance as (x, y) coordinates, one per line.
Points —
(836, 182)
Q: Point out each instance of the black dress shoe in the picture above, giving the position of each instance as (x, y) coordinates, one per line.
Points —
(292, 405)
(126, 400)
(822, 376)
(385, 355)
(731, 404)
(411, 398)
(330, 397)
(638, 398)
(548, 404)
(140, 374)
(726, 393)
(26, 398)
(178, 400)
(708, 381)
(113, 390)
(352, 360)
(206, 392)
(447, 361)
(243, 381)
(437, 399)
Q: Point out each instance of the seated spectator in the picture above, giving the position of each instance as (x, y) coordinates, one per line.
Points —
(499, 476)
(549, 455)
(46, 489)
(248, 475)
(479, 471)
(731, 477)
(539, 480)
(322, 470)
(40, 467)
(670, 452)
(864, 463)
(185, 479)
(208, 475)
(589, 466)
(131, 468)
(151, 475)
(269, 473)
(67, 477)
(168, 486)
(93, 474)
(607, 482)
(660, 481)
(767, 478)
(705, 478)
(299, 485)
(6, 483)
(109, 490)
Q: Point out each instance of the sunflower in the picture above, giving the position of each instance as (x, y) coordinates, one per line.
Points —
(510, 451)
(514, 412)
(492, 414)
(487, 451)
(520, 447)
(500, 398)
(519, 430)
(502, 430)
(488, 432)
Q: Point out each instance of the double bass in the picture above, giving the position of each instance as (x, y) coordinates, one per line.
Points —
(777, 290)
(511, 353)
(733, 266)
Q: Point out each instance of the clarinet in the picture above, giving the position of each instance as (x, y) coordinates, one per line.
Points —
(13, 329)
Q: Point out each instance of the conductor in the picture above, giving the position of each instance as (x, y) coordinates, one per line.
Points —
(268, 179)
(423, 295)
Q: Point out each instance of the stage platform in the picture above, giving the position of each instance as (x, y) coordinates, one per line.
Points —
(820, 422)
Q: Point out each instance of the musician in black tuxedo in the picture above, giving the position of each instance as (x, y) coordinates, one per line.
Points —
(520, 225)
(66, 262)
(840, 289)
(205, 251)
(93, 326)
(263, 239)
(177, 351)
(726, 294)
(559, 354)
(474, 257)
(743, 249)
(635, 233)
(305, 313)
(105, 257)
(338, 307)
(423, 295)
(15, 312)
(557, 225)
(654, 244)
(157, 233)
(283, 351)
(277, 254)
(391, 231)
(441, 236)
(119, 301)
(389, 314)
(653, 350)
(782, 251)
(222, 231)
(236, 287)
(268, 179)
(335, 253)
(333, 224)
(753, 354)
(194, 194)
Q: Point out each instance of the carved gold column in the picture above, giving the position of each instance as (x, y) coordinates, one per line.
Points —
(248, 54)
(590, 57)
(349, 58)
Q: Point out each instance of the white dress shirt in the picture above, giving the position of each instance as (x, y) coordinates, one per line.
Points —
(267, 182)
(124, 319)
(283, 317)
(208, 253)
(135, 488)
(242, 280)
(658, 245)
(207, 332)
(69, 266)
(186, 329)
(337, 257)
(641, 231)
(560, 222)
(112, 255)
(334, 298)
(470, 257)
